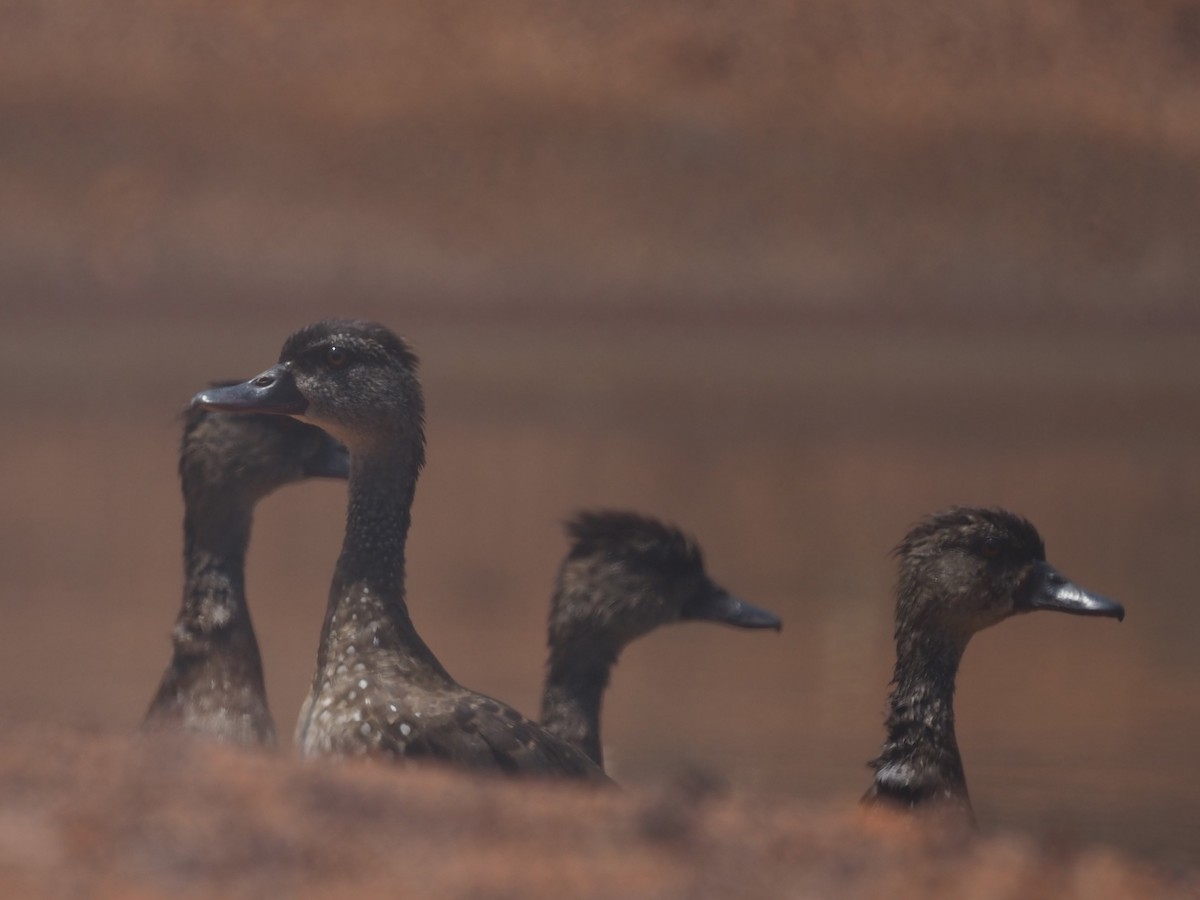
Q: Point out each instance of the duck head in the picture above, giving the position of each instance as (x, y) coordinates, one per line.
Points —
(964, 569)
(625, 575)
(248, 456)
(356, 380)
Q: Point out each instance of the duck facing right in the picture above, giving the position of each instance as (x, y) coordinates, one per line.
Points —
(624, 576)
(961, 571)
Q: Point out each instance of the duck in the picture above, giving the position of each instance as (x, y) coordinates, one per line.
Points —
(623, 576)
(378, 689)
(961, 570)
(213, 685)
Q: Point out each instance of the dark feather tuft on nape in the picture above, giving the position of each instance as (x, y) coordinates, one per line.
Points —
(960, 524)
(628, 535)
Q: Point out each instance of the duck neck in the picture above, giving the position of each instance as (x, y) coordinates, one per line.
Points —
(215, 677)
(577, 676)
(214, 613)
(367, 612)
(920, 763)
(377, 521)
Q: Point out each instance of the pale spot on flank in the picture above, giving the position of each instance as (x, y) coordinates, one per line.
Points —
(362, 682)
(405, 729)
(364, 729)
(350, 651)
(392, 707)
(352, 695)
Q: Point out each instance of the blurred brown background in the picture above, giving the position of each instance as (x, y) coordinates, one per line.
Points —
(789, 274)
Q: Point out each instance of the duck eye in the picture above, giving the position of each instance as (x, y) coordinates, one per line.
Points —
(990, 548)
(335, 357)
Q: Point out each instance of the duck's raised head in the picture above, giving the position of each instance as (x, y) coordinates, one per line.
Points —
(355, 379)
(625, 574)
(244, 457)
(966, 568)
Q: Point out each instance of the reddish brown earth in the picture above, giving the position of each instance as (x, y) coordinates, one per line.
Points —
(89, 814)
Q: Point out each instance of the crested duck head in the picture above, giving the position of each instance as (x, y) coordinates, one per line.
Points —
(961, 571)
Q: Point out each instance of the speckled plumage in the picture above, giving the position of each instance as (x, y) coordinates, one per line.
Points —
(961, 570)
(378, 688)
(213, 685)
(623, 576)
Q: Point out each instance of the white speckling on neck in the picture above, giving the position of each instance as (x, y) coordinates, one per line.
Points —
(895, 774)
